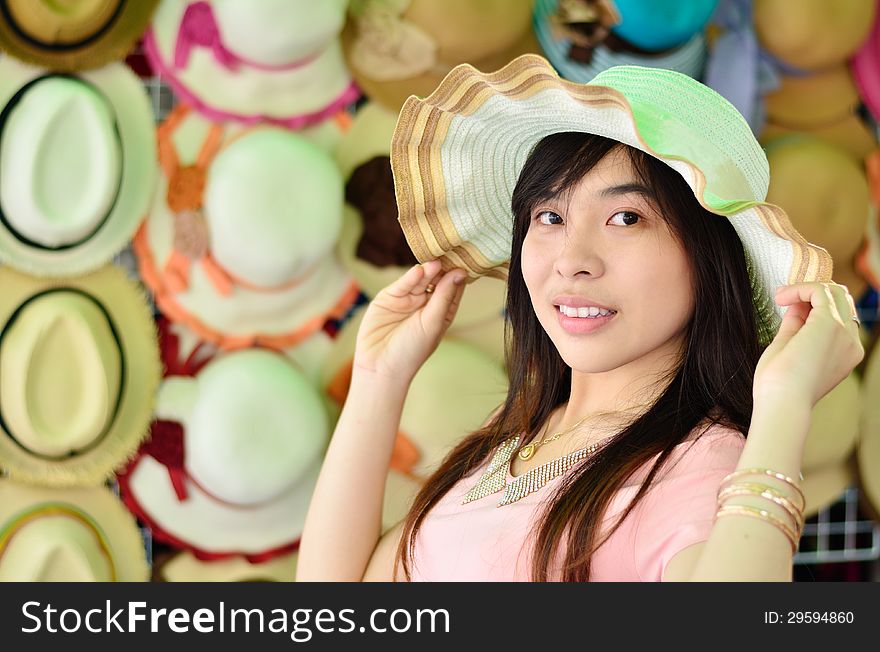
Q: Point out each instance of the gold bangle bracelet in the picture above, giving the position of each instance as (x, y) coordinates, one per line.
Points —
(742, 510)
(771, 473)
(768, 493)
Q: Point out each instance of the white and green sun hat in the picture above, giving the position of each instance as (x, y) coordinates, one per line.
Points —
(456, 156)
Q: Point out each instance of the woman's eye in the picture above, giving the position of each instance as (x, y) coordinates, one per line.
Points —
(628, 218)
(544, 216)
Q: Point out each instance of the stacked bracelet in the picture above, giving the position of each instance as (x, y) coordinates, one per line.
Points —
(729, 489)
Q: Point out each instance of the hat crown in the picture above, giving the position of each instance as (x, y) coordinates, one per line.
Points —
(661, 24)
(60, 374)
(720, 142)
(273, 202)
(55, 548)
(278, 32)
(62, 162)
(254, 426)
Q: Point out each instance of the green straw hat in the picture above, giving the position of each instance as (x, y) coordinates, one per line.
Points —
(457, 154)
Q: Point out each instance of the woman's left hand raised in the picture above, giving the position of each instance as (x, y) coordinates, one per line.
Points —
(817, 345)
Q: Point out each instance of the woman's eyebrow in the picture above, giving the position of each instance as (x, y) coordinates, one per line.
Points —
(628, 189)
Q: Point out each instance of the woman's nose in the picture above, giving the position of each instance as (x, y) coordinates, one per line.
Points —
(578, 255)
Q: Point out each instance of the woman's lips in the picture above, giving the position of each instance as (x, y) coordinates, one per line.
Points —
(582, 325)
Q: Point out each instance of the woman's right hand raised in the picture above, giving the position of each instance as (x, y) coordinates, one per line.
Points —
(403, 324)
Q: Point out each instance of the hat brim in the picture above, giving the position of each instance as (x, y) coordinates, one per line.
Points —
(121, 532)
(131, 315)
(135, 125)
(112, 44)
(457, 154)
(689, 58)
(868, 447)
(209, 528)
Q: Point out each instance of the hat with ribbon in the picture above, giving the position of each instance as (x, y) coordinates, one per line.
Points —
(238, 245)
(823, 104)
(81, 534)
(78, 159)
(371, 245)
(79, 367)
(69, 35)
(584, 37)
(457, 154)
(397, 48)
(276, 61)
(824, 192)
(186, 567)
(815, 34)
(455, 374)
(232, 459)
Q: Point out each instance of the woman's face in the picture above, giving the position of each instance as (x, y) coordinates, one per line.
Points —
(605, 248)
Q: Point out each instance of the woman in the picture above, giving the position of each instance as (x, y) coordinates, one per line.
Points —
(660, 391)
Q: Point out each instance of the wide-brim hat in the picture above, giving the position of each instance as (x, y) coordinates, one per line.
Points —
(186, 567)
(78, 156)
(457, 154)
(823, 189)
(64, 535)
(79, 367)
(815, 34)
(405, 47)
(72, 35)
(233, 457)
(825, 105)
(689, 58)
(239, 242)
(371, 245)
(268, 62)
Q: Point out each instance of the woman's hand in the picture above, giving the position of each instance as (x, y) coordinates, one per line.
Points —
(817, 346)
(403, 324)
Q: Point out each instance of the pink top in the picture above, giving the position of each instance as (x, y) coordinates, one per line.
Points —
(480, 541)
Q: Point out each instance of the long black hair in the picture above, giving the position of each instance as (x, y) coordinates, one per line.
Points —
(711, 384)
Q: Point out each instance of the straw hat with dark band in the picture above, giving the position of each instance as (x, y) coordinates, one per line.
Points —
(67, 35)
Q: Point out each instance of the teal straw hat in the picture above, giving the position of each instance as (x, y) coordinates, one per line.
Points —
(456, 156)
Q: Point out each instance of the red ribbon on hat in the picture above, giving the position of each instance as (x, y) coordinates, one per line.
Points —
(198, 28)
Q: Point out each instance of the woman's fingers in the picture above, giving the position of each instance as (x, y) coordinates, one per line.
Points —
(446, 293)
(431, 269)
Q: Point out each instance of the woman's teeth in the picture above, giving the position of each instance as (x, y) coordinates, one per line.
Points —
(585, 313)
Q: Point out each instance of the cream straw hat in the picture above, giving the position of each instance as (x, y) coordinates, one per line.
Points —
(79, 368)
(456, 156)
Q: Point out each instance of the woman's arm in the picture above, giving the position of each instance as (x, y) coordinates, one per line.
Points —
(345, 515)
(741, 548)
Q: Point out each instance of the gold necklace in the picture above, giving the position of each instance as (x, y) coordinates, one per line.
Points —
(528, 450)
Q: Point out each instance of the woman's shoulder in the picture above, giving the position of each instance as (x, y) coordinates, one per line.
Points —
(709, 446)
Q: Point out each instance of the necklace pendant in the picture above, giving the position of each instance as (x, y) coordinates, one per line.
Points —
(527, 452)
